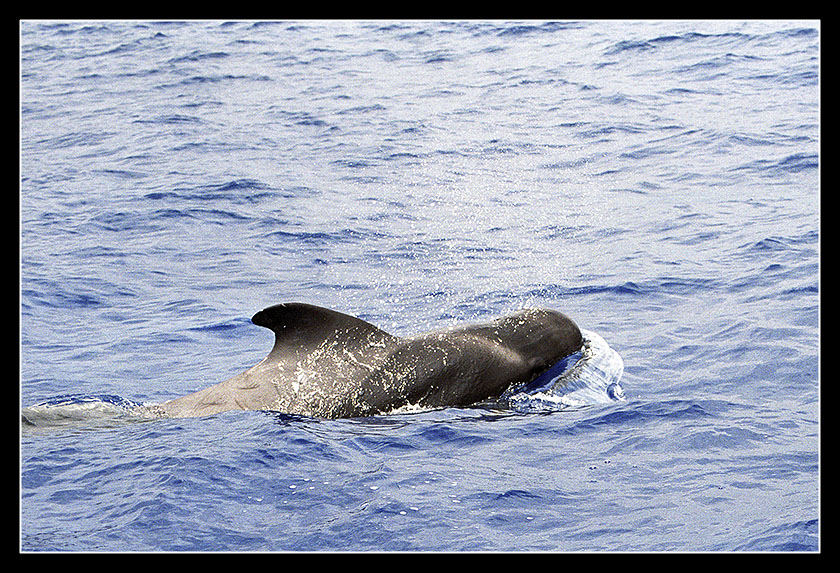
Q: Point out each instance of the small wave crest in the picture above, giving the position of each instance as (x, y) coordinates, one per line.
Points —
(102, 410)
(591, 376)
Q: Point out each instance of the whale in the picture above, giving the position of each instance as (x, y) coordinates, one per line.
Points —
(327, 364)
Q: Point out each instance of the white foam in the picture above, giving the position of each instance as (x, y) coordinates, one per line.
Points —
(89, 411)
(594, 379)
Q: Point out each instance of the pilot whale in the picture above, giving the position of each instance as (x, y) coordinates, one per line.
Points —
(332, 365)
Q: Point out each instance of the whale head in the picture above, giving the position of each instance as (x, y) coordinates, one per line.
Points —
(541, 336)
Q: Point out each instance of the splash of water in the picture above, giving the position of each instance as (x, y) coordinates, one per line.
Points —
(591, 376)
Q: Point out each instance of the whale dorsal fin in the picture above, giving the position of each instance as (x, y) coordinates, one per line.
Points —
(302, 326)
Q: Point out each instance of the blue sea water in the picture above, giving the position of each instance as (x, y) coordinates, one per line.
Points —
(656, 181)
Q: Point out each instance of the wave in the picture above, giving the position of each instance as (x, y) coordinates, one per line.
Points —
(75, 139)
(525, 29)
(170, 119)
(796, 536)
(654, 286)
(198, 56)
(236, 190)
(691, 38)
(73, 292)
(795, 163)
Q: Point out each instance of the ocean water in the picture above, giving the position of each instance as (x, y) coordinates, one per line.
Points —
(656, 181)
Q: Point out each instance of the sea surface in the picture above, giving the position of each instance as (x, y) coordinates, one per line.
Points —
(659, 182)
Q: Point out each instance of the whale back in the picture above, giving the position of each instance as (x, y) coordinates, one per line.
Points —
(328, 364)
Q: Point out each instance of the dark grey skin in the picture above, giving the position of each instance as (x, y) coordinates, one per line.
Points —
(331, 365)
